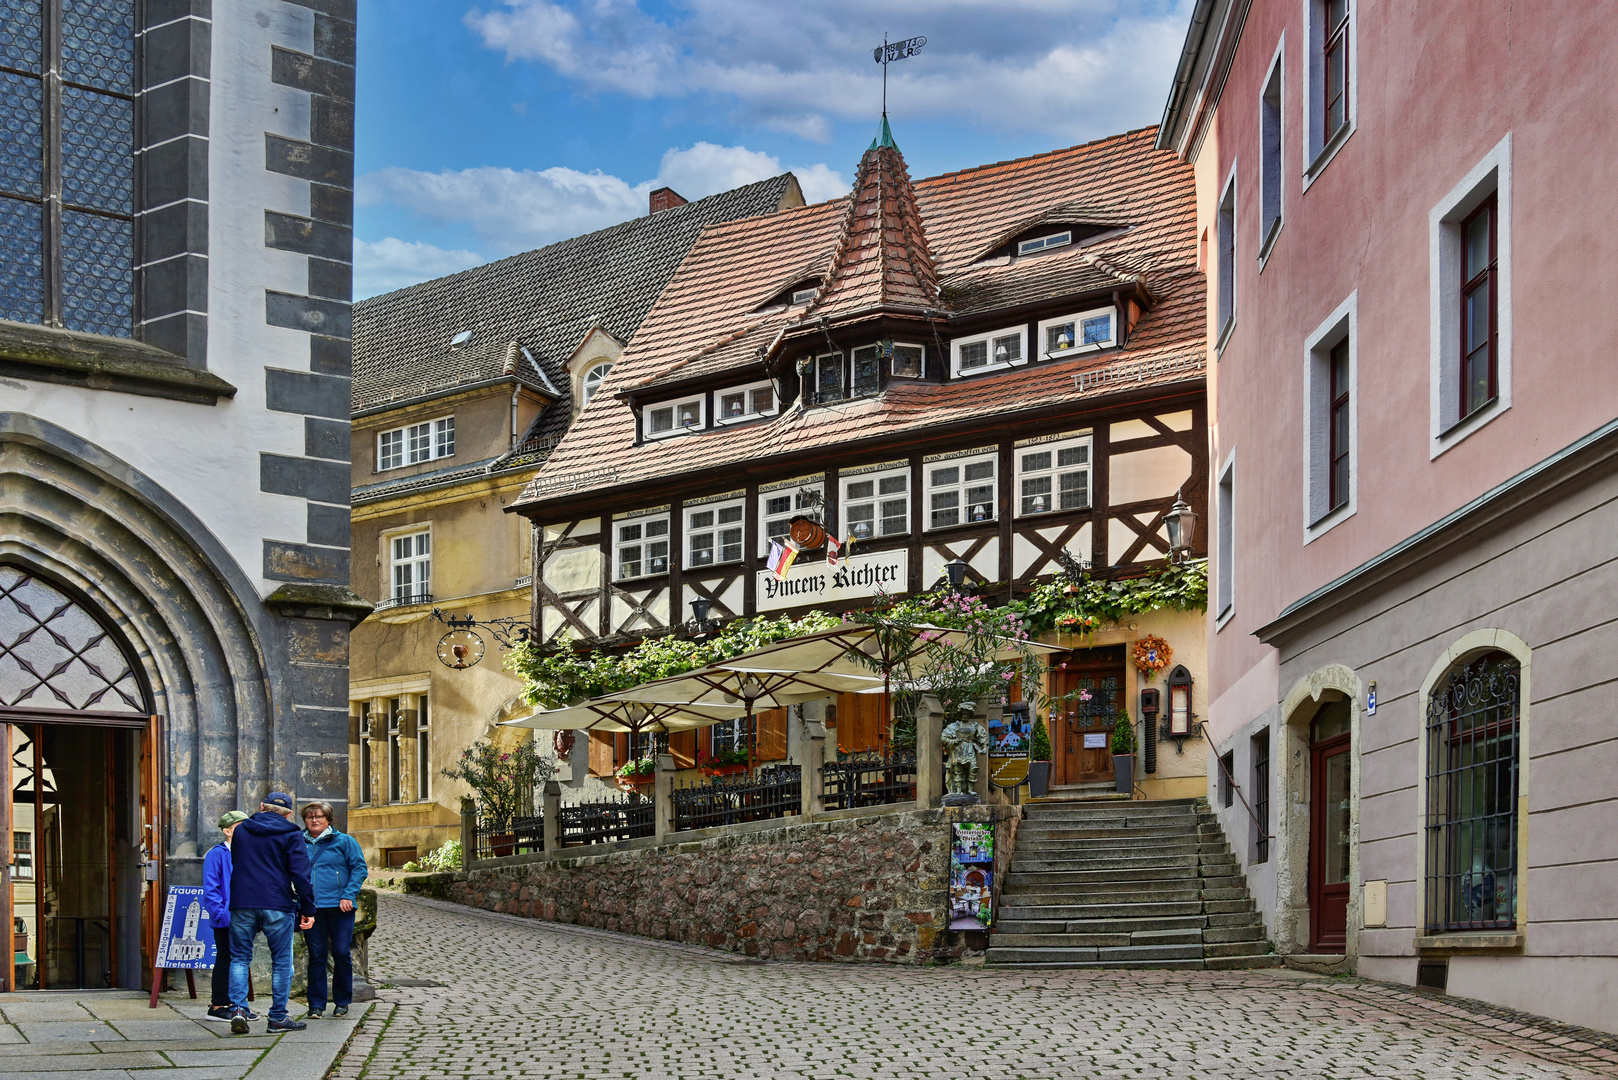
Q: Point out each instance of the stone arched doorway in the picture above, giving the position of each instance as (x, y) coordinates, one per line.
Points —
(82, 796)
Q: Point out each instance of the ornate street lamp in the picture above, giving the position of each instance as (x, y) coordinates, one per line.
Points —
(1182, 524)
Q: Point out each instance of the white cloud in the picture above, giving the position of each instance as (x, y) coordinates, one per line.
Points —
(1071, 69)
(390, 263)
(514, 210)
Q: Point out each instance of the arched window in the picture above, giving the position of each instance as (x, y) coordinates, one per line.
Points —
(56, 656)
(592, 381)
(1473, 729)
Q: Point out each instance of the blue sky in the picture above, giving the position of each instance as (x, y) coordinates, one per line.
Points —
(495, 126)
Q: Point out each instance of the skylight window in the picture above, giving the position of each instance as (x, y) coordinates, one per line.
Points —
(460, 339)
(1045, 243)
(804, 295)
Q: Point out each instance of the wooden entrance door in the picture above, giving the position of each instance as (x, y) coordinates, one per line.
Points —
(1081, 730)
(1329, 762)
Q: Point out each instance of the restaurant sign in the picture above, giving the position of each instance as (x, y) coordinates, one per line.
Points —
(813, 581)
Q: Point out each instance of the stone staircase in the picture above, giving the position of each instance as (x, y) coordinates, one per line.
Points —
(1126, 885)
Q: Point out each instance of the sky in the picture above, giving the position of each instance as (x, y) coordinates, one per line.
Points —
(489, 127)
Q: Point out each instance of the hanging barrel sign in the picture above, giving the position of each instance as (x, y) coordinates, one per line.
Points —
(1008, 747)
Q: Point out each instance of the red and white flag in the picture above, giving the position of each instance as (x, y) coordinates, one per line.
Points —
(832, 548)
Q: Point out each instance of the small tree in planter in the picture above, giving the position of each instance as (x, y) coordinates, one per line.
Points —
(502, 781)
(1123, 754)
(1039, 759)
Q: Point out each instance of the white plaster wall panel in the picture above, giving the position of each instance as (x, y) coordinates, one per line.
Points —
(986, 563)
(1580, 892)
(550, 620)
(1579, 990)
(734, 596)
(1023, 554)
(1120, 538)
(1387, 814)
(621, 610)
(1147, 474)
(1082, 545)
(573, 569)
(1176, 421)
(1131, 429)
(1569, 834)
(659, 607)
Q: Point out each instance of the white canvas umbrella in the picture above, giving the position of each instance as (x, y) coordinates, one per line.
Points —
(630, 716)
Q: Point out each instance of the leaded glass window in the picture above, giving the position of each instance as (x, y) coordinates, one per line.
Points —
(55, 655)
(67, 164)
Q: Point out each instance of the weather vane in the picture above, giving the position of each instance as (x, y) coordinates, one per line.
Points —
(887, 54)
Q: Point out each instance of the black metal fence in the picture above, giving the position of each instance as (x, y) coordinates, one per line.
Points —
(777, 791)
(519, 836)
(868, 780)
(607, 820)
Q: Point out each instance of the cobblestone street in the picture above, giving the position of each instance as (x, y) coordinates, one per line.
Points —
(524, 998)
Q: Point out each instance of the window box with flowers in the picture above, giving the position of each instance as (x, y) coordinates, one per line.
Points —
(637, 774)
(728, 761)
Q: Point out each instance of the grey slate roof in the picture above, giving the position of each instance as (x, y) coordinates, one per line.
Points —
(545, 300)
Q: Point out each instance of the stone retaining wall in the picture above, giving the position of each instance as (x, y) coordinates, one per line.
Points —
(870, 888)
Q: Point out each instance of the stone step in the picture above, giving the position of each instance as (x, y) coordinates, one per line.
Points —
(1140, 850)
(1168, 937)
(1065, 941)
(1104, 954)
(1225, 907)
(1225, 894)
(1102, 834)
(1135, 813)
(1105, 883)
(1242, 963)
(1165, 872)
(1073, 912)
(1222, 935)
(1101, 899)
(1126, 927)
(1234, 919)
(1138, 965)
(1214, 949)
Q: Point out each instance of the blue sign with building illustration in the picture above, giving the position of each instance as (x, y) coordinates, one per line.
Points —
(187, 937)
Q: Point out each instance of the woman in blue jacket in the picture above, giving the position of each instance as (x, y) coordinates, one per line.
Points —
(216, 902)
(337, 868)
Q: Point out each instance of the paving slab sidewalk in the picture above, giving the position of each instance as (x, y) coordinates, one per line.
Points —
(114, 1035)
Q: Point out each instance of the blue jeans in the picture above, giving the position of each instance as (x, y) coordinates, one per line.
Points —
(333, 931)
(277, 929)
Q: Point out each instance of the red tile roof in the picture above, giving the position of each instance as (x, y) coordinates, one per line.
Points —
(709, 318)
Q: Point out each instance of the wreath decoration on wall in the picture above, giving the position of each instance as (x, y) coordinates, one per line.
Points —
(1152, 654)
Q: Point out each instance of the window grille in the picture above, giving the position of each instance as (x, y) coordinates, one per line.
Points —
(67, 164)
(1227, 789)
(907, 360)
(22, 856)
(1261, 796)
(829, 377)
(592, 382)
(867, 371)
(1472, 734)
(1042, 243)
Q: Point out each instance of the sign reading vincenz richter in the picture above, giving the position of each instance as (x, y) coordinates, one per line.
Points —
(814, 582)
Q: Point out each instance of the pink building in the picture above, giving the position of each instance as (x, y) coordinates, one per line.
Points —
(1411, 242)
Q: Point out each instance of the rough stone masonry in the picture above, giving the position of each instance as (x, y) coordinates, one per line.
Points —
(869, 888)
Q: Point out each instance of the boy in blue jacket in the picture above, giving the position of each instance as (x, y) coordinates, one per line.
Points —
(337, 867)
(216, 902)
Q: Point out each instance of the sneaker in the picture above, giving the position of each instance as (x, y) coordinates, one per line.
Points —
(221, 1013)
(315, 1014)
(238, 1022)
(251, 1015)
(288, 1024)
(341, 1010)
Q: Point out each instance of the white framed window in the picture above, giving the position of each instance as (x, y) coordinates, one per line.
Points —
(1331, 81)
(424, 743)
(876, 501)
(828, 377)
(1469, 280)
(993, 351)
(1225, 282)
(22, 856)
(674, 417)
(594, 376)
(640, 546)
(412, 445)
(1087, 331)
(744, 403)
(1271, 109)
(411, 562)
(393, 750)
(909, 361)
(780, 502)
(714, 532)
(1225, 523)
(961, 489)
(1045, 243)
(1053, 475)
(1330, 423)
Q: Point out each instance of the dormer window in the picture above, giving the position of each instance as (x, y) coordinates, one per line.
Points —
(804, 295)
(745, 403)
(908, 361)
(829, 377)
(989, 352)
(673, 418)
(867, 371)
(1071, 335)
(1046, 242)
(592, 381)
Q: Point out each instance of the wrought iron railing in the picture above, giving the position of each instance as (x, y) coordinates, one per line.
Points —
(777, 791)
(404, 600)
(523, 835)
(606, 820)
(868, 780)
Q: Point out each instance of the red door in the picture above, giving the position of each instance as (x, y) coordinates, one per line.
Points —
(1329, 762)
(1087, 686)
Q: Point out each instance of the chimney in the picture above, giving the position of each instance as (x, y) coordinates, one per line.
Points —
(666, 198)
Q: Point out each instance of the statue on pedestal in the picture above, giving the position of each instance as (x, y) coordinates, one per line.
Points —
(964, 741)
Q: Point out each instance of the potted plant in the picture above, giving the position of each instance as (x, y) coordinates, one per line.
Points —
(1123, 754)
(502, 782)
(637, 773)
(728, 761)
(1039, 759)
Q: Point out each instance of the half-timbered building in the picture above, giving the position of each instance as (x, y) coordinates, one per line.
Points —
(996, 366)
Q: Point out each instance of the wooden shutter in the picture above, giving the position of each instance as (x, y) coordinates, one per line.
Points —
(772, 734)
(683, 748)
(862, 722)
(601, 753)
(620, 749)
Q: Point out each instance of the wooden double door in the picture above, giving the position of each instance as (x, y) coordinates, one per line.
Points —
(1087, 697)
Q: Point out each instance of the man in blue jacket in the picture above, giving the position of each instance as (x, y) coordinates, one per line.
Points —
(216, 902)
(269, 891)
(337, 867)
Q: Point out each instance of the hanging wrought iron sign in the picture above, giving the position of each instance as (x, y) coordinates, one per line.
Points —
(460, 649)
(463, 647)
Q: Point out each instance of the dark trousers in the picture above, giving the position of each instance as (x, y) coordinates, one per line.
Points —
(333, 935)
(221, 967)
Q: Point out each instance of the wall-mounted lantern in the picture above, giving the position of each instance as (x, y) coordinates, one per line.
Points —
(1182, 525)
(701, 624)
(956, 571)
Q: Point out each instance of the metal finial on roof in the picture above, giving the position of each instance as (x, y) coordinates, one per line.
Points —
(886, 55)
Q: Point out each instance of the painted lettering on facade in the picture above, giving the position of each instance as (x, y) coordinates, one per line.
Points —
(814, 582)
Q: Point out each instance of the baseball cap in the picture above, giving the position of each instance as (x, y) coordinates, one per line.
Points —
(278, 798)
(231, 817)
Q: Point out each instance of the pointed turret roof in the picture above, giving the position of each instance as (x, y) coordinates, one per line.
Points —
(882, 259)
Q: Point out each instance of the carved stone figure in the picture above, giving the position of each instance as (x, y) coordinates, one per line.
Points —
(964, 742)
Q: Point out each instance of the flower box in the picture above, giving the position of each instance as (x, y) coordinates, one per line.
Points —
(636, 783)
(721, 770)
